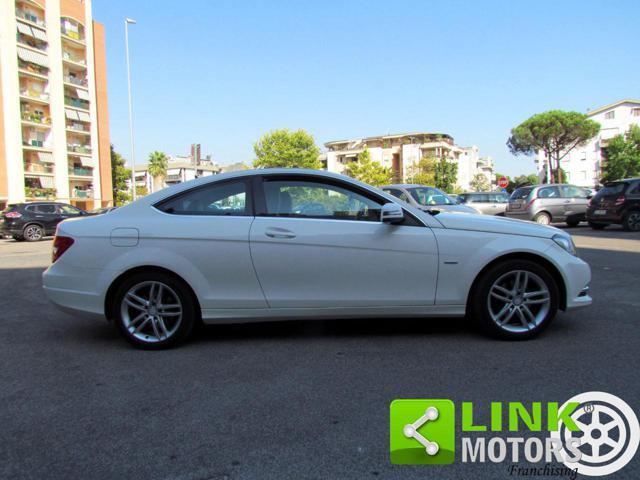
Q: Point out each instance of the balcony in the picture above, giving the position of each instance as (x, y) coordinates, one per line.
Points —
(77, 127)
(72, 30)
(76, 103)
(30, 68)
(36, 117)
(81, 193)
(34, 95)
(74, 59)
(40, 193)
(73, 80)
(35, 167)
(31, 42)
(81, 171)
(79, 149)
(30, 17)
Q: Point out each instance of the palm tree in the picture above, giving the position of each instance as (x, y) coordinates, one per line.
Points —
(158, 163)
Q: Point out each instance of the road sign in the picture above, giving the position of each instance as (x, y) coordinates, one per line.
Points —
(503, 182)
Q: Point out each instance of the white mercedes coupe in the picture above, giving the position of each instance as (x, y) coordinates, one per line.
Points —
(293, 244)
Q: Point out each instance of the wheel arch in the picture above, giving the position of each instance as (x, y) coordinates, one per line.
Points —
(113, 288)
(33, 222)
(546, 212)
(549, 266)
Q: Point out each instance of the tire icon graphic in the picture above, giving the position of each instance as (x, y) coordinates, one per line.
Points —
(609, 433)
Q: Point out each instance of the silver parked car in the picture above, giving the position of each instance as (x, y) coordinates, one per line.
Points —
(489, 203)
(547, 204)
(426, 198)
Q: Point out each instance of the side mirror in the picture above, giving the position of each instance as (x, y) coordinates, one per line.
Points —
(589, 197)
(391, 213)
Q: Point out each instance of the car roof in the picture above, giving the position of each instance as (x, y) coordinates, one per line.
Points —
(481, 193)
(407, 185)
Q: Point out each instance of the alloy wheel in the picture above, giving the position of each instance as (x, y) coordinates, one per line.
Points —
(633, 221)
(543, 219)
(151, 311)
(33, 233)
(519, 301)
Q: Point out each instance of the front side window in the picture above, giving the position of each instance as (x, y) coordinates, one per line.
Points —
(314, 199)
(229, 198)
(428, 196)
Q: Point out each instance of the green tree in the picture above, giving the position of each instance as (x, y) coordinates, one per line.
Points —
(622, 156)
(446, 174)
(368, 171)
(525, 180)
(479, 183)
(157, 168)
(284, 148)
(423, 172)
(555, 133)
(120, 175)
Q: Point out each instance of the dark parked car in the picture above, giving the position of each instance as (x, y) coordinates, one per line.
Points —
(618, 202)
(547, 204)
(34, 221)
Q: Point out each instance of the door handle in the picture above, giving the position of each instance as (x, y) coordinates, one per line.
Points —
(275, 232)
(567, 201)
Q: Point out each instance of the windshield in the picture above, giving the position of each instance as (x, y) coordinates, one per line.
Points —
(612, 189)
(521, 193)
(428, 196)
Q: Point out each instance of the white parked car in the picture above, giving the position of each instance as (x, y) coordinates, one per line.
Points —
(283, 243)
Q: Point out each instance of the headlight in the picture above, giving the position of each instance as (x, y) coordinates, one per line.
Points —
(566, 243)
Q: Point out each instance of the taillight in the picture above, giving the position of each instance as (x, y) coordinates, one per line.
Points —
(13, 215)
(620, 200)
(531, 202)
(60, 245)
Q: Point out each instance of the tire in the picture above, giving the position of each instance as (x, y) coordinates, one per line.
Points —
(631, 221)
(141, 323)
(573, 224)
(487, 310)
(18, 238)
(33, 233)
(542, 218)
(597, 226)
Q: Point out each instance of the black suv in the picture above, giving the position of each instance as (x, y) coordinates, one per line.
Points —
(618, 202)
(34, 221)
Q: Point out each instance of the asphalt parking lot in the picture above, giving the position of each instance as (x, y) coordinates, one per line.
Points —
(284, 400)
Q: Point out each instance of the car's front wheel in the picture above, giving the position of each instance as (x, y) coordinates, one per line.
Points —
(154, 310)
(515, 300)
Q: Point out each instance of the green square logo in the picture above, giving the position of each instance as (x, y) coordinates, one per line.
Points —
(422, 432)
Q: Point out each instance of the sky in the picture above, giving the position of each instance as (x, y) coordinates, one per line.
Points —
(224, 73)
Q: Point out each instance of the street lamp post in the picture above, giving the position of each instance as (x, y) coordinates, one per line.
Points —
(127, 21)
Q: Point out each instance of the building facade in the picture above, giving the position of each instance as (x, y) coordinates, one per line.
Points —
(180, 169)
(402, 153)
(583, 165)
(54, 132)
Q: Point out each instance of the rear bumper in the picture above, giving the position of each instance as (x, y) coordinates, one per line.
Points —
(72, 292)
(611, 215)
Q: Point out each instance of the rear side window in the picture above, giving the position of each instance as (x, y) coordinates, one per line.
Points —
(398, 194)
(48, 209)
(520, 193)
(229, 198)
(634, 190)
(548, 192)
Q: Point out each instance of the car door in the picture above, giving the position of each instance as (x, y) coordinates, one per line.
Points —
(550, 200)
(575, 202)
(319, 243)
(204, 232)
(47, 214)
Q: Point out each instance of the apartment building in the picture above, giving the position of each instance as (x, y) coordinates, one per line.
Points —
(180, 168)
(54, 133)
(583, 164)
(402, 152)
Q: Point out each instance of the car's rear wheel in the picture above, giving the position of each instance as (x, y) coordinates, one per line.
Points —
(154, 310)
(33, 233)
(631, 221)
(542, 218)
(514, 300)
(597, 226)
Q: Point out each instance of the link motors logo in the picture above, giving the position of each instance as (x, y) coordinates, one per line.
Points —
(608, 437)
(594, 434)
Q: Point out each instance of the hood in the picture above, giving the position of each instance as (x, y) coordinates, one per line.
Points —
(494, 224)
(450, 208)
